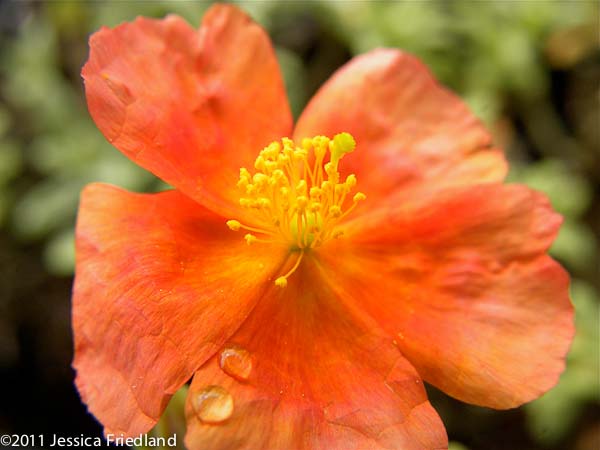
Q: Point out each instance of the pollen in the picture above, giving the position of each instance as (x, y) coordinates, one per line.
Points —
(297, 195)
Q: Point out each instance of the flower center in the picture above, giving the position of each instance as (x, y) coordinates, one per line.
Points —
(297, 196)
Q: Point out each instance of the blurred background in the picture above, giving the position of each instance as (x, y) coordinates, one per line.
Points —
(529, 69)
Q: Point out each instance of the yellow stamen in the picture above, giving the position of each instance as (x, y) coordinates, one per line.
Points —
(282, 281)
(296, 194)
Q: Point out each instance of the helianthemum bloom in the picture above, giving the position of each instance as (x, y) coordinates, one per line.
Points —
(308, 279)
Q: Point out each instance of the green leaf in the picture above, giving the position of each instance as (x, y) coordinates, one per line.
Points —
(5, 121)
(45, 207)
(59, 253)
(570, 193)
(576, 245)
(453, 445)
(11, 160)
(173, 420)
(295, 79)
(578, 385)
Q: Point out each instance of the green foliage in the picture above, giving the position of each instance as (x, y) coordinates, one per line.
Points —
(571, 196)
(292, 70)
(59, 252)
(453, 445)
(482, 49)
(172, 422)
(58, 149)
(11, 162)
(552, 416)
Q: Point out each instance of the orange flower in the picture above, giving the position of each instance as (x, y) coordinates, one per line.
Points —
(386, 253)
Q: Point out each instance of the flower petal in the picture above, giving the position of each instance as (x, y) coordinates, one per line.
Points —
(190, 106)
(413, 136)
(465, 285)
(321, 378)
(160, 284)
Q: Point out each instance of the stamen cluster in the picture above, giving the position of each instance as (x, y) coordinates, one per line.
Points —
(297, 195)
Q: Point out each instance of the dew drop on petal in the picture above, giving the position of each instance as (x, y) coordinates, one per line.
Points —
(236, 362)
(213, 404)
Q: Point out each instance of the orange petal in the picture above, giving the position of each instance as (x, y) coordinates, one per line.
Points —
(465, 286)
(190, 106)
(413, 136)
(320, 378)
(160, 284)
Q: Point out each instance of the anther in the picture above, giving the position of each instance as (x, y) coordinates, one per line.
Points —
(301, 202)
(335, 211)
(359, 197)
(315, 192)
(314, 207)
(282, 281)
(351, 180)
(234, 225)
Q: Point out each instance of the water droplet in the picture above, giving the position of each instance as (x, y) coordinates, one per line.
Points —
(213, 404)
(236, 362)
